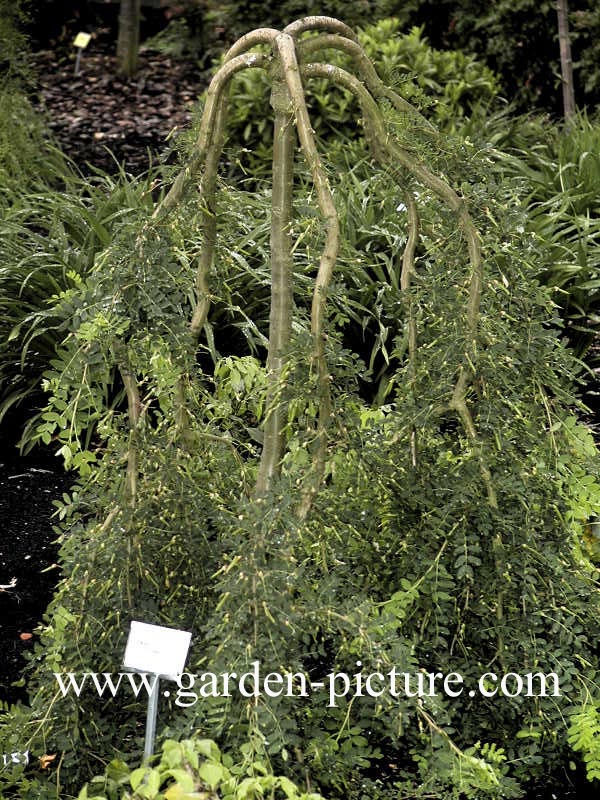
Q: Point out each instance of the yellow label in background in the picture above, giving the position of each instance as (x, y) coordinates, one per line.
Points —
(82, 40)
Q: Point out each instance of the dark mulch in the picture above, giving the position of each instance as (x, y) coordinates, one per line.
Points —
(98, 111)
(27, 553)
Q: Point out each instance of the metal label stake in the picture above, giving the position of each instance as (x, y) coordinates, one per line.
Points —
(81, 42)
(151, 719)
(161, 653)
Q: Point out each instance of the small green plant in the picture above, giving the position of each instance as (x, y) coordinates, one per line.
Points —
(192, 768)
(584, 737)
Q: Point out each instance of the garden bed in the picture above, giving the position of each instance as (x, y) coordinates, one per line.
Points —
(99, 118)
(27, 553)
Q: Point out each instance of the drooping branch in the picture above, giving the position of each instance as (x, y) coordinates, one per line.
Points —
(206, 153)
(408, 270)
(367, 73)
(285, 46)
(280, 319)
(252, 39)
(208, 223)
(388, 152)
(208, 226)
(294, 29)
(206, 135)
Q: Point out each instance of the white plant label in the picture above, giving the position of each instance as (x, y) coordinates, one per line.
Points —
(152, 648)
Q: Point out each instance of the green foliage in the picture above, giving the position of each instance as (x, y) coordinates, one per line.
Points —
(190, 769)
(14, 67)
(22, 133)
(560, 171)
(446, 84)
(26, 160)
(404, 557)
(584, 737)
(21, 142)
(49, 240)
(582, 489)
(518, 39)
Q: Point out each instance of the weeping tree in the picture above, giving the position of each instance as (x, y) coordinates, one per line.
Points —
(290, 64)
(287, 516)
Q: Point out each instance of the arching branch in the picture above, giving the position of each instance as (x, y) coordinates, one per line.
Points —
(209, 222)
(252, 39)
(207, 129)
(206, 153)
(367, 73)
(387, 151)
(328, 258)
(294, 29)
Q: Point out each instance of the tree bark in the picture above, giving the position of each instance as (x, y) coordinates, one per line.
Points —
(129, 37)
(566, 61)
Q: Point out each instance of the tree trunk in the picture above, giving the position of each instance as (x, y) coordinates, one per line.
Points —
(280, 319)
(129, 37)
(566, 62)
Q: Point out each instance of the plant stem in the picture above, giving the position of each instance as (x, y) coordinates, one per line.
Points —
(280, 318)
(408, 269)
(285, 46)
(133, 408)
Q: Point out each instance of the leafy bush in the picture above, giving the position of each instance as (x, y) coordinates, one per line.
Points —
(430, 522)
(49, 239)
